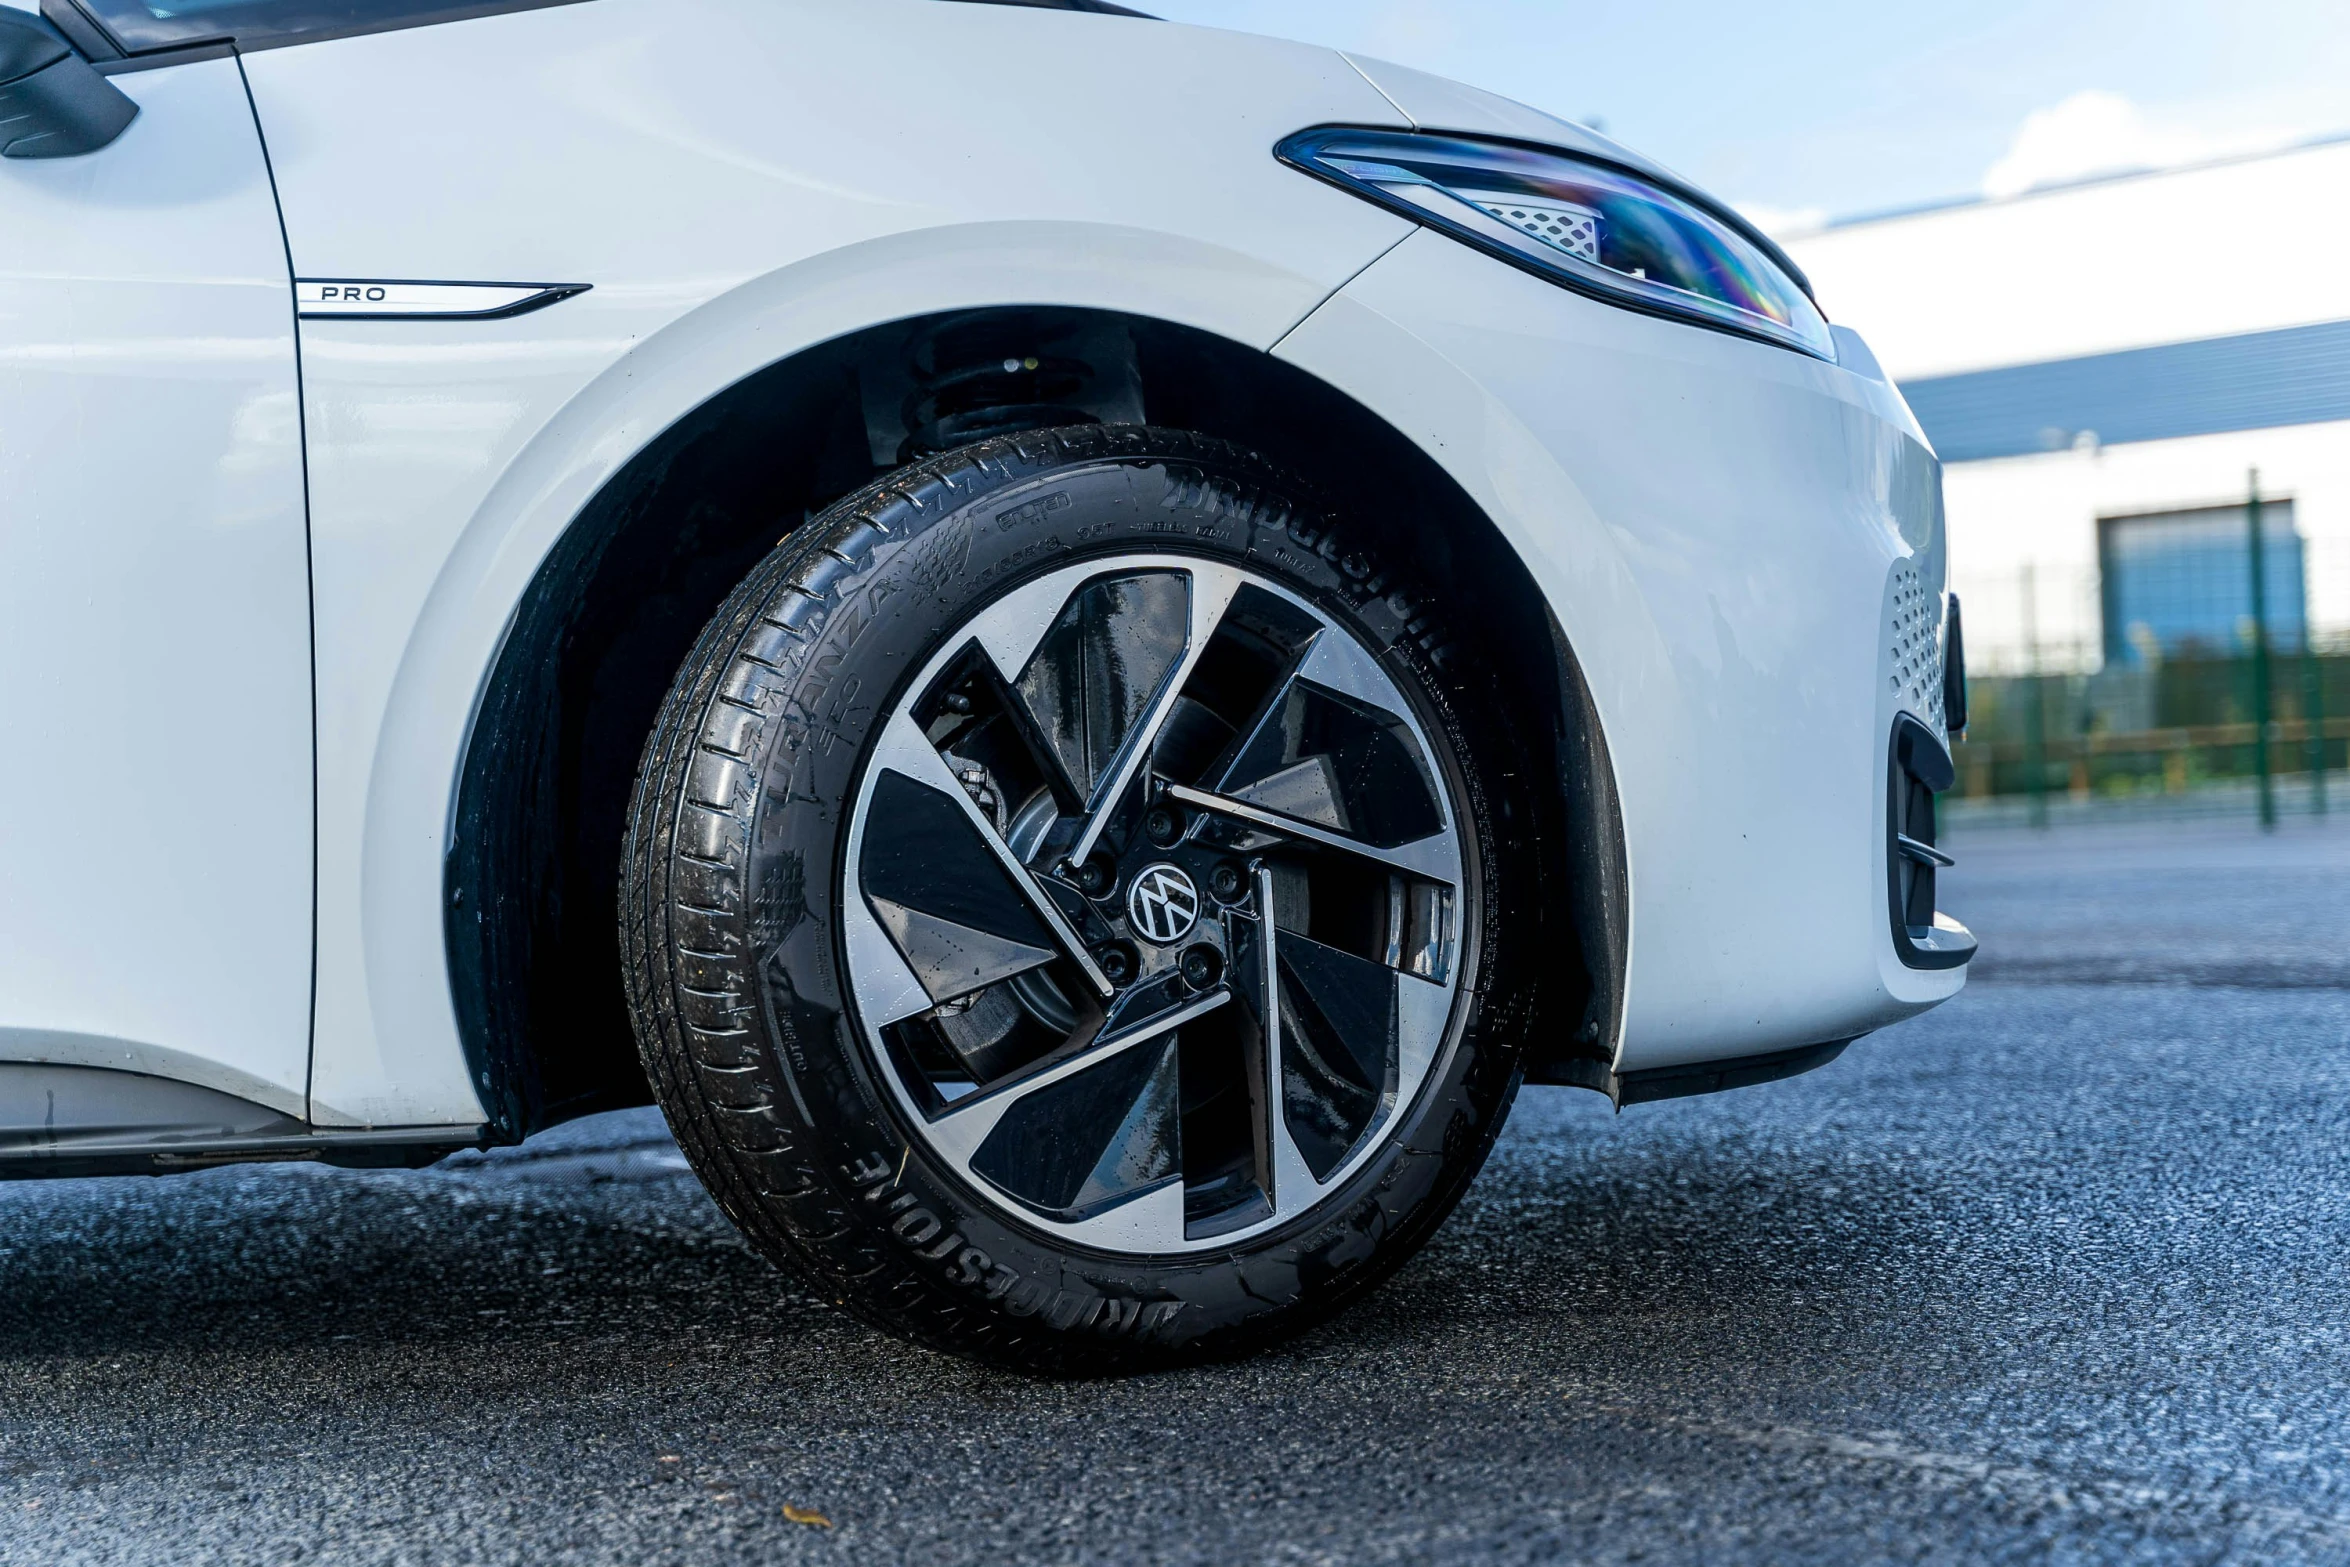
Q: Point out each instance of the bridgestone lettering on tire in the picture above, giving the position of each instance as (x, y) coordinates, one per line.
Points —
(1060, 905)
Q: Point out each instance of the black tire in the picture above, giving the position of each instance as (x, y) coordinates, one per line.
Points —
(733, 872)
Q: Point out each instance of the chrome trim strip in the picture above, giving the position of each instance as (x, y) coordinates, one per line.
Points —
(396, 299)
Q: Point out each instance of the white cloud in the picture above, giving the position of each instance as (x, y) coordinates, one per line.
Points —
(2098, 132)
(1779, 222)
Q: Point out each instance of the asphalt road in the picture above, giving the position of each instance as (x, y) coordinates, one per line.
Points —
(2057, 1273)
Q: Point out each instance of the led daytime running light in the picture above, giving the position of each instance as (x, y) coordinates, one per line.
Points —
(1597, 228)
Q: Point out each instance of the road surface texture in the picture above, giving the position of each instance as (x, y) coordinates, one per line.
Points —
(2057, 1273)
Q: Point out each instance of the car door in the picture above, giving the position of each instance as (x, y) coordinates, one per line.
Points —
(155, 691)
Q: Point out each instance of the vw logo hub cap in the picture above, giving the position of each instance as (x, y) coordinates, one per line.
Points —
(1163, 905)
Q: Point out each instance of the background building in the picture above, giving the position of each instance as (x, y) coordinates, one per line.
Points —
(2101, 366)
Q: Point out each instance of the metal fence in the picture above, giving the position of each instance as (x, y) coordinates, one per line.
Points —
(2200, 665)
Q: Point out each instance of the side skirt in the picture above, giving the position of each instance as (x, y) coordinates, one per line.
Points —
(64, 1121)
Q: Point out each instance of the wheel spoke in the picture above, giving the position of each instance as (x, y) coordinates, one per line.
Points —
(1094, 1140)
(1150, 1221)
(1095, 675)
(967, 1123)
(1014, 627)
(952, 959)
(1422, 1008)
(1323, 752)
(888, 989)
(1292, 1183)
(1212, 588)
(906, 750)
(1338, 1041)
(1340, 663)
(1433, 858)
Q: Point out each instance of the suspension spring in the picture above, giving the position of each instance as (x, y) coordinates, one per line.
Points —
(998, 374)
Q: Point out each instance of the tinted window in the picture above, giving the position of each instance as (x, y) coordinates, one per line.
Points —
(139, 25)
(2179, 584)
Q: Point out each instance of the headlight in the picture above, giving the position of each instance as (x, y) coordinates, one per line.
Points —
(1596, 228)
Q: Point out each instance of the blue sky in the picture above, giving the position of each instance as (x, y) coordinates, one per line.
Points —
(1833, 107)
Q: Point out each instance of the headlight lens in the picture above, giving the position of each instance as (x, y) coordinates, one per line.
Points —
(1594, 227)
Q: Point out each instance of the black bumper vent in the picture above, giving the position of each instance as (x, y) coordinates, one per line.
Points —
(1919, 769)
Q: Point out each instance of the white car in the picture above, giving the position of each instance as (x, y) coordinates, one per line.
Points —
(1078, 641)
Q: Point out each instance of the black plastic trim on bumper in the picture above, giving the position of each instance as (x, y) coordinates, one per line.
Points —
(1711, 1077)
(1944, 944)
(1918, 768)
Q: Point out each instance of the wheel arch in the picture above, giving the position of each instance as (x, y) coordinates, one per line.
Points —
(531, 868)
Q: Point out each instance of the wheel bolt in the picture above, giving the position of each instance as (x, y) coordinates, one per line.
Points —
(1161, 826)
(1095, 877)
(1201, 965)
(1116, 963)
(1226, 882)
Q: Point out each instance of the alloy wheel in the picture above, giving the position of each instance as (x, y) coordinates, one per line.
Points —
(1155, 926)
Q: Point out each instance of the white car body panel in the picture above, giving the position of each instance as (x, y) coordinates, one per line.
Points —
(1709, 607)
(1714, 521)
(717, 173)
(1723, 589)
(155, 809)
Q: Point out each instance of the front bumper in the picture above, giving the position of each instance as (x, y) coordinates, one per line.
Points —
(1732, 535)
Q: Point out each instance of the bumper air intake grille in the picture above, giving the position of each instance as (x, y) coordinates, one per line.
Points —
(1919, 769)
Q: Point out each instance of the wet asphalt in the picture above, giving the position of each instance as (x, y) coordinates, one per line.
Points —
(2054, 1274)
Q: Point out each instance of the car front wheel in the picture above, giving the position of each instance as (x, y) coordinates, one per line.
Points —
(1061, 906)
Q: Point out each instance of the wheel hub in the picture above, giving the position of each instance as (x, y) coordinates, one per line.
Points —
(1162, 903)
